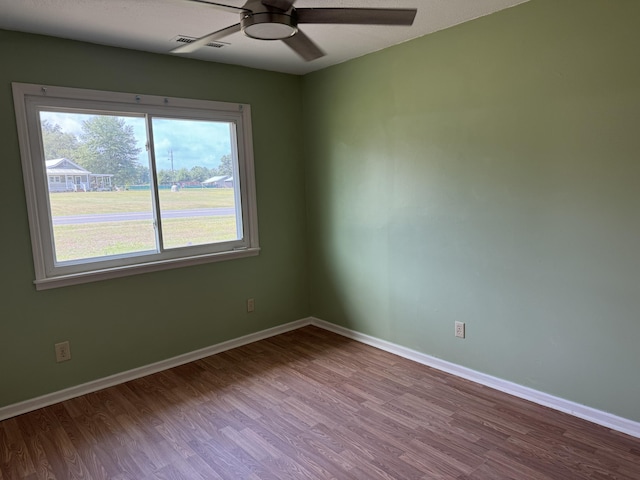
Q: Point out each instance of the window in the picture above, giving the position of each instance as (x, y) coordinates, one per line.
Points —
(119, 183)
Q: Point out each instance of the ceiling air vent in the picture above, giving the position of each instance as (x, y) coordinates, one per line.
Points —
(186, 39)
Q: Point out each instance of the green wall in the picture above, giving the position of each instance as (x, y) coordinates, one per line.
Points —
(116, 325)
(489, 173)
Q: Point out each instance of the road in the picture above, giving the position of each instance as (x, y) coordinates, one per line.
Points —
(130, 216)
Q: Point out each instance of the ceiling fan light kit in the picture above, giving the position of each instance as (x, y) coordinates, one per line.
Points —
(278, 20)
(268, 26)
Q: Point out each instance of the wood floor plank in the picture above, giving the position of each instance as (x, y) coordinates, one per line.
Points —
(14, 458)
(308, 404)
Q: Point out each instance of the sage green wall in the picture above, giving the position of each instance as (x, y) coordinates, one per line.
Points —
(120, 324)
(489, 173)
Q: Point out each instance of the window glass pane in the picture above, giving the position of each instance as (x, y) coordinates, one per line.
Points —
(197, 173)
(97, 173)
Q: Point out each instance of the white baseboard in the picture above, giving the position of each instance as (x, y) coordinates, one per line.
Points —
(593, 415)
(599, 417)
(95, 385)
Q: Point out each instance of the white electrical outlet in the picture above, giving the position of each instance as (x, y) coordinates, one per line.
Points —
(63, 351)
(460, 329)
(251, 305)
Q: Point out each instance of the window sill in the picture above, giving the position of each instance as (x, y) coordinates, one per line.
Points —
(125, 271)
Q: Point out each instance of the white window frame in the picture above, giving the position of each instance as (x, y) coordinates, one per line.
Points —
(29, 98)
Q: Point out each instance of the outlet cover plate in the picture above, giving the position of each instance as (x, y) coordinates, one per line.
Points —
(459, 329)
(63, 351)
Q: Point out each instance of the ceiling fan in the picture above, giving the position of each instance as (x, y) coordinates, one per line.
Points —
(279, 20)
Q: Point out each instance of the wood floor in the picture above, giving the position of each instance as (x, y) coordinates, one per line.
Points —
(308, 404)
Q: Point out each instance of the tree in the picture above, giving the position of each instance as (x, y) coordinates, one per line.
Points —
(199, 174)
(109, 146)
(182, 175)
(58, 144)
(143, 176)
(165, 177)
(225, 167)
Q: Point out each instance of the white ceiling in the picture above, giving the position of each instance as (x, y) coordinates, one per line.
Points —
(152, 26)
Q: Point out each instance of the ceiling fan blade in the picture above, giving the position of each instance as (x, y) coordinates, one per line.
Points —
(283, 5)
(358, 16)
(202, 41)
(304, 46)
(221, 6)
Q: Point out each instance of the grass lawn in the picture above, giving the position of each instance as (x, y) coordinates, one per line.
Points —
(90, 240)
(86, 203)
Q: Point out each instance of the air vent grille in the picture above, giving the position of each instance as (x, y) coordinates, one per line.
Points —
(186, 39)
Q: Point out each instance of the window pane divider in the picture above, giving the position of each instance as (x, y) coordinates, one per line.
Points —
(153, 179)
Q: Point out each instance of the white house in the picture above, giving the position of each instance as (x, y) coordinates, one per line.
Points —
(63, 175)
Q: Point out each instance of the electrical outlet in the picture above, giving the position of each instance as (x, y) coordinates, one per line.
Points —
(63, 351)
(460, 329)
(251, 305)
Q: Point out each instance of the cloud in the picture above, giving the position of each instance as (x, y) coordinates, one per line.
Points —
(191, 142)
(69, 122)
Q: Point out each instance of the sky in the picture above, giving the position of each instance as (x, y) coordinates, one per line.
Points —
(192, 142)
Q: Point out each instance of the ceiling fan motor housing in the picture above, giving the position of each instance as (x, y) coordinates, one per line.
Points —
(269, 25)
